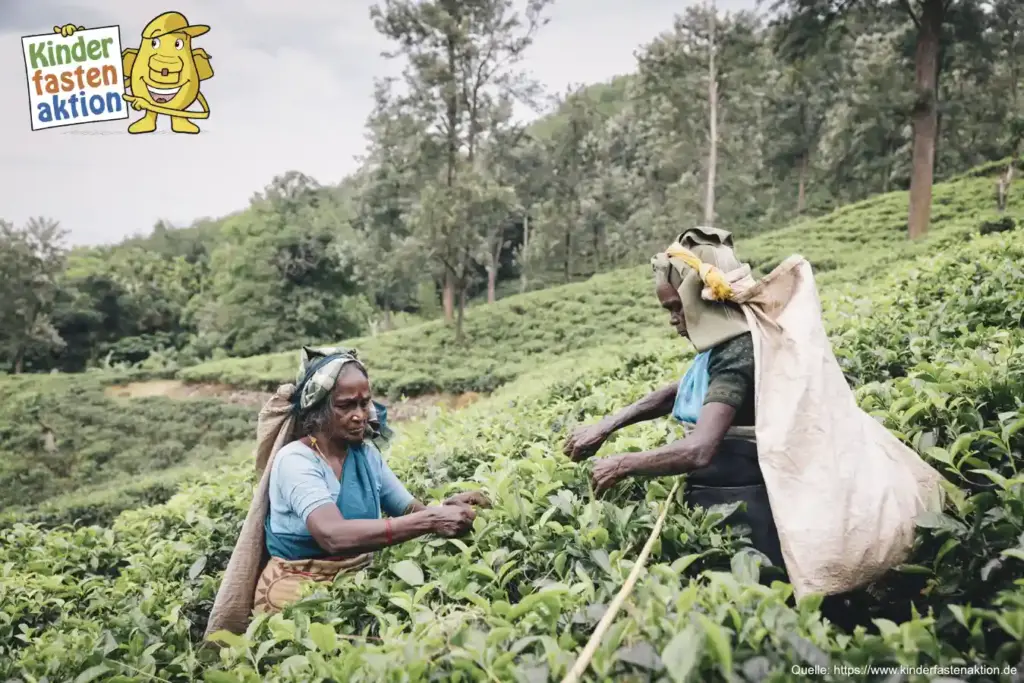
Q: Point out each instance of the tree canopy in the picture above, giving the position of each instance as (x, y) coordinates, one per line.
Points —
(458, 201)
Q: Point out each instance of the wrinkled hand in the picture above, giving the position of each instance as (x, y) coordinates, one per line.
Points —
(584, 442)
(453, 520)
(608, 472)
(67, 30)
(469, 498)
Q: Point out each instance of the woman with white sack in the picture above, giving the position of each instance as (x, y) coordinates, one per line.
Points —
(837, 494)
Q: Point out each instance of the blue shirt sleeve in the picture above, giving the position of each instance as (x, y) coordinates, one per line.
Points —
(394, 498)
(302, 485)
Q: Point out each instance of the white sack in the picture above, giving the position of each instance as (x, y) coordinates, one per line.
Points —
(844, 491)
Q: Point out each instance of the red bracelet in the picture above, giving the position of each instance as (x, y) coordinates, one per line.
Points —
(387, 530)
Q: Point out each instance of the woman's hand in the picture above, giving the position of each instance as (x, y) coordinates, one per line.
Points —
(469, 498)
(585, 441)
(452, 520)
(608, 472)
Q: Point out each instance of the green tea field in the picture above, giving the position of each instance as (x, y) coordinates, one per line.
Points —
(930, 334)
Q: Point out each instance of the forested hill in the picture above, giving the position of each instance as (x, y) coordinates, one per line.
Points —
(808, 116)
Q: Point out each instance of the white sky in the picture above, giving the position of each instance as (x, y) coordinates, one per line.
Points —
(292, 87)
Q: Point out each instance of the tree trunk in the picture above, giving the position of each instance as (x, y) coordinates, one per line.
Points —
(462, 309)
(709, 199)
(1005, 182)
(492, 267)
(523, 252)
(18, 366)
(568, 251)
(925, 117)
(448, 296)
(452, 117)
(939, 120)
(801, 198)
(387, 317)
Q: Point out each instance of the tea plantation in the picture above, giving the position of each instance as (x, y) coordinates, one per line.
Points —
(522, 332)
(69, 451)
(930, 334)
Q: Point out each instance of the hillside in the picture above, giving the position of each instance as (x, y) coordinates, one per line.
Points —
(931, 336)
(525, 331)
(107, 454)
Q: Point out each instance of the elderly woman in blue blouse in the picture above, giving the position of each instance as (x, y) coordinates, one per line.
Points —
(329, 486)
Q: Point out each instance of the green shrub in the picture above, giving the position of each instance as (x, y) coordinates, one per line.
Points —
(62, 433)
(516, 334)
(929, 332)
(931, 356)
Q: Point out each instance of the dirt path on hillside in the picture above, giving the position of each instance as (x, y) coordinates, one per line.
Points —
(176, 389)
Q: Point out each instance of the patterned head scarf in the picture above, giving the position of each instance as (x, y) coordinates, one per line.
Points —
(319, 370)
(699, 260)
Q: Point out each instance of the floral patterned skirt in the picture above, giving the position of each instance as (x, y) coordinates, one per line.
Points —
(281, 581)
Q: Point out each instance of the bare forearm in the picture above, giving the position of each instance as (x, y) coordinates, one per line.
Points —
(691, 453)
(656, 404)
(678, 457)
(365, 535)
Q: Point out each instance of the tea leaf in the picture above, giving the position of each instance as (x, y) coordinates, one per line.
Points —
(682, 653)
(92, 673)
(408, 571)
(324, 637)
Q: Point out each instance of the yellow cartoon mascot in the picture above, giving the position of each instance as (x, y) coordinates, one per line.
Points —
(164, 73)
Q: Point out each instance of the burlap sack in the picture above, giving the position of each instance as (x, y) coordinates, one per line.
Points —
(844, 491)
(233, 606)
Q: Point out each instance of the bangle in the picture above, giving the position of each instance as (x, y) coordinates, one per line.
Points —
(387, 530)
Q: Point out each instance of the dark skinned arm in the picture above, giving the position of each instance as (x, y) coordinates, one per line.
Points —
(678, 457)
(656, 404)
(691, 453)
(341, 536)
(586, 441)
(731, 373)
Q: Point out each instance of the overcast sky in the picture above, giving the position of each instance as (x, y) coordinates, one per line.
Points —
(292, 88)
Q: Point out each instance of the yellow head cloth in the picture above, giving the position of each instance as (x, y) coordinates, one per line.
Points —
(709, 274)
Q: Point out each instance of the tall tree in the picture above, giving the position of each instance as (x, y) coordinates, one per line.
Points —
(278, 277)
(503, 171)
(709, 198)
(558, 230)
(390, 182)
(808, 19)
(802, 95)
(31, 261)
(462, 57)
(682, 132)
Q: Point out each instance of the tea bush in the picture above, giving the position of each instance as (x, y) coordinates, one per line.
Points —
(62, 434)
(516, 334)
(109, 455)
(935, 349)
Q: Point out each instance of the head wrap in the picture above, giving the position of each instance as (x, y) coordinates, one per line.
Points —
(697, 262)
(319, 370)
